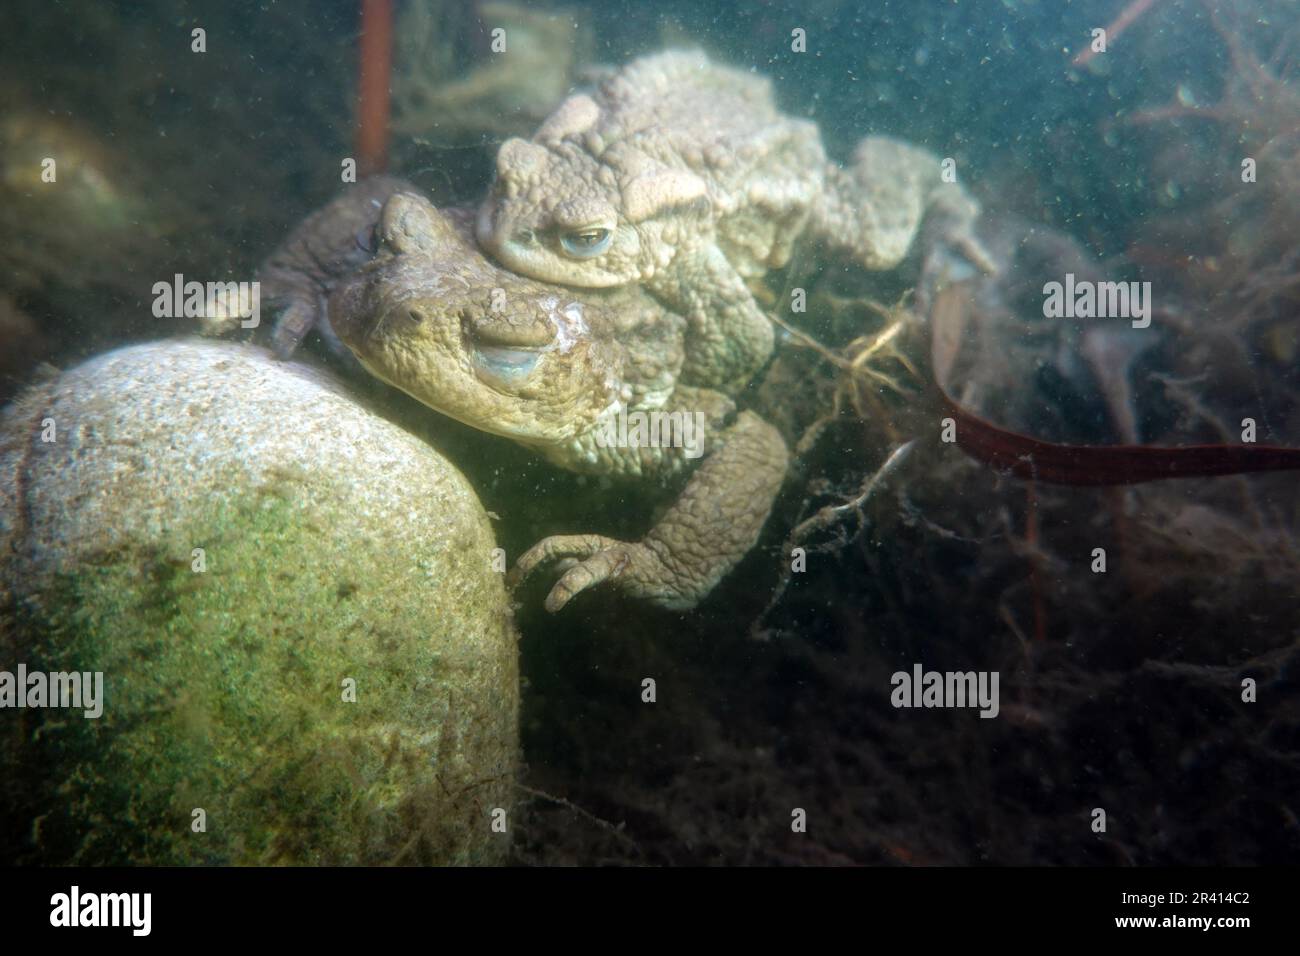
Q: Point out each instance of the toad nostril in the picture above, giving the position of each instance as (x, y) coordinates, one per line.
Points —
(415, 316)
(525, 237)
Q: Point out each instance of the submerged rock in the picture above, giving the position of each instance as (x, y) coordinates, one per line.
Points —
(306, 654)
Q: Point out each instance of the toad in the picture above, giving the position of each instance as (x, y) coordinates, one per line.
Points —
(681, 174)
(588, 378)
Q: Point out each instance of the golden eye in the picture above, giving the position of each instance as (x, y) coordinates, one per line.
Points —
(586, 243)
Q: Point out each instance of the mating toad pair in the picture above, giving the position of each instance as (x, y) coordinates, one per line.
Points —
(623, 234)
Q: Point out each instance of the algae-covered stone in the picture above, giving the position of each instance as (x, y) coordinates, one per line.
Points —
(306, 652)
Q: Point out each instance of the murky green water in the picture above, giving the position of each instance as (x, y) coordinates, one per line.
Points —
(933, 660)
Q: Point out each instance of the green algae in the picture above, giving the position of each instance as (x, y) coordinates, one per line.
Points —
(225, 692)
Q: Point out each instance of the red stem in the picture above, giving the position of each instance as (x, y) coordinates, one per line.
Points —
(1059, 464)
(1095, 465)
(374, 74)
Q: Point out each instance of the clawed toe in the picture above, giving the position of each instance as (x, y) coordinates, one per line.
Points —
(583, 560)
(601, 567)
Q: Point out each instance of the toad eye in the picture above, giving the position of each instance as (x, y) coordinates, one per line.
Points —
(368, 239)
(586, 243)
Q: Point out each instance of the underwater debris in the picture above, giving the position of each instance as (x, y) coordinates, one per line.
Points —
(1241, 259)
(862, 367)
(70, 196)
(452, 88)
(826, 518)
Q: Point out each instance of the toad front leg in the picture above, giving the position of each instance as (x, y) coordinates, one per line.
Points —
(706, 532)
(730, 336)
(328, 245)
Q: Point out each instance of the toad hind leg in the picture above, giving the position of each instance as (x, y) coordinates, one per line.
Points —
(873, 209)
(711, 526)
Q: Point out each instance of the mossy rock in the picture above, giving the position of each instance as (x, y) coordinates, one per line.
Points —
(335, 548)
